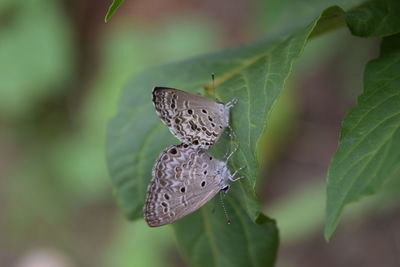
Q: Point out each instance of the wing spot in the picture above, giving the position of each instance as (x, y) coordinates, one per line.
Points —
(190, 112)
(193, 125)
(173, 151)
(166, 196)
(196, 142)
(203, 183)
(209, 118)
(183, 189)
(204, 111)
(205, 172)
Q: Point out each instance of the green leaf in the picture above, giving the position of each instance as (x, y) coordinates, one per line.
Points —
(136, 135)
(254, 74)
(375, 18)
(213, 242)
(111, 10)
(369, 149)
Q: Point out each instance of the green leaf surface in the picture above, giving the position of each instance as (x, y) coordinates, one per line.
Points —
(253, 74)
(369, 149)
(375, 18)
(213, 242)
(111, 10)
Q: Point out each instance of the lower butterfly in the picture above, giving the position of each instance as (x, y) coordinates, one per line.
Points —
(184, 179)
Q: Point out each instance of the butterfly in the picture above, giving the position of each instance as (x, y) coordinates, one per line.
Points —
(193, 119)
(184, 179)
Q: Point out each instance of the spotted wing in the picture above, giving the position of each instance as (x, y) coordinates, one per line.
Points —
(193, 119)
(184, 179)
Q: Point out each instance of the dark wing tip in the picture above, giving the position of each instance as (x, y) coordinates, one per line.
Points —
(159, 88)
(156, 88)
(157, 91)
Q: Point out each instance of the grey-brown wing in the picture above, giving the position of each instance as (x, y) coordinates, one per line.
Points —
(193, 119)
(184, 179)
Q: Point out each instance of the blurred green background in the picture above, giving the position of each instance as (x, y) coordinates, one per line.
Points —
(61, 71)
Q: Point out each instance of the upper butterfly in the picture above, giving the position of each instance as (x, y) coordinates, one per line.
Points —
(193, 119)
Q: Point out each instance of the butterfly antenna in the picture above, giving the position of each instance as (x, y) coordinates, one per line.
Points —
(213, 84)
(228, 220)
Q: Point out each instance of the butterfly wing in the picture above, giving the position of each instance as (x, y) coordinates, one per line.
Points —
(184, 179)
(193, 119)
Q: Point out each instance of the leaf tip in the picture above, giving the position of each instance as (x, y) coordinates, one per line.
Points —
(111, 10)
(327, 234)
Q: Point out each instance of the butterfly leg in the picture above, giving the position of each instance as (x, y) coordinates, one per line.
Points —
(228, 156)
(231, 103)
(232, 178)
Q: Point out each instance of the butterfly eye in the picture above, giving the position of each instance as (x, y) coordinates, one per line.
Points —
(226, 188)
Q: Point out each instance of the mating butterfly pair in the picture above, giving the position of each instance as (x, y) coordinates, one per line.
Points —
(185, 177)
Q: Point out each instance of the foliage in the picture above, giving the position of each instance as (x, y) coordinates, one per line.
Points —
(368, 153)
(367, 156)
(112, 9)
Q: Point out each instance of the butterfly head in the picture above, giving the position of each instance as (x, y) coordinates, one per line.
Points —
(224, 175)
